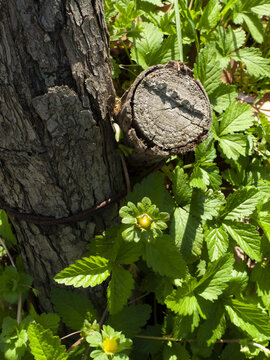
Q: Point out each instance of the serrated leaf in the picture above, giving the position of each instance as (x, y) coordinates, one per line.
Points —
(45, 346)
(180, 184)
(85, 272)
(130, 319)
(246, 236)
(257, 66)
(187, 233)
(205, 205)
(229, 40)
(119, 289)
(215, 279)
(146, 49)
(262, 9)
(214, 326)
(233, 145)
(263, 219)
(249, 318)
(255, 26)
(210, 16)
(237, 117)
(73, 307)
(207, 68)
(148, 187)
(183, 300)
(241, 203)
(223, 97)
(217, 242)
(128, 252)
(172, 265)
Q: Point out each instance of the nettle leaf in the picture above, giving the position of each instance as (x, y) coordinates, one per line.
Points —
(171, 265)
(246, 236)
(237, 117)
(254, 25)
(73, 307)
(249, 318)
(210, 16)
(119, 289)
(183, 300)
(214, 326)
(217, 242)
(256, 65)
(241, 203)
(44, 345)
(233, 145)
(180, 184)
(146, 49)
(85, 272)
(130, 319)
(215, 279)
(5, 229)
(187, 233)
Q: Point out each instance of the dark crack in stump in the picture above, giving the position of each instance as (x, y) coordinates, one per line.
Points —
(165, 112)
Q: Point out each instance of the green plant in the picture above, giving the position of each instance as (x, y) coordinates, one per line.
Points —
(187, 271)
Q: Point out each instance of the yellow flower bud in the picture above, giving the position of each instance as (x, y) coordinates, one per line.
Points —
(144, 221)
(110, 346)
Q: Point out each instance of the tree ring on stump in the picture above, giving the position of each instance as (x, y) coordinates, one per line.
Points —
(165, 112)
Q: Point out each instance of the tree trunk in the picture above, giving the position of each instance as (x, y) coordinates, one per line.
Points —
(57, 151)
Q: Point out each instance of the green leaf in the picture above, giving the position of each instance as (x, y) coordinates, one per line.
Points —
(73, 307)
(262, 8)
(237, 117)
(119, 289)
(241, 203)
(146, 49)
(255, 26)
(223, 97)
(182, 300)
(175, 352)
(128, 252)
(148, 187)
(171, 265)
(246, 236)
(215, 279)
(263, 219)
(47, 320)
(207, 68)
(85, 272)
(214, 326)
(229, 40)
(217, 242)
(205, 205)
(130, 319)
(233, 145)
(45, 346)
(187, 233)
(5, 229)
(180, 184)
(257, 66)
(249, 318)
(210, 16)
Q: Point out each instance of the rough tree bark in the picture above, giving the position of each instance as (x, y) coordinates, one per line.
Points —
(57, 153)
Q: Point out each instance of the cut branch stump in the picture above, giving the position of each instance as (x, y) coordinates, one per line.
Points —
(165, 112)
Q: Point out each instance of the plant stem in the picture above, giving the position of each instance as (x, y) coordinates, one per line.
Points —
(188, 166)
(71, 334)
(160, 338)
(178, 30)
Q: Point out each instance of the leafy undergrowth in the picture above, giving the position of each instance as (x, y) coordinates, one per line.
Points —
(188, 269)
